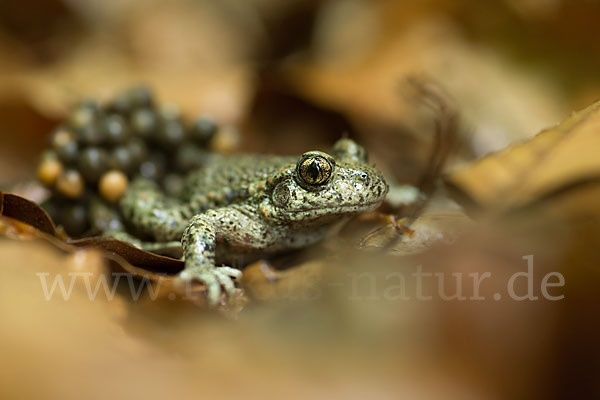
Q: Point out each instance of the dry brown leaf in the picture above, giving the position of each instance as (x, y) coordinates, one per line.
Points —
(16, 211)
(557, 159)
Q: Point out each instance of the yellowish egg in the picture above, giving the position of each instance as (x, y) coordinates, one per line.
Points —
(48, 171)
(113, 185)
(226, 140)
(70, 184)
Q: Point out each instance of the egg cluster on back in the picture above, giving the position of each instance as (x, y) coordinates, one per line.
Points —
(100, 148)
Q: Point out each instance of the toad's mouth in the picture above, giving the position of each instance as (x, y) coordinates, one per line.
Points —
(343, 208)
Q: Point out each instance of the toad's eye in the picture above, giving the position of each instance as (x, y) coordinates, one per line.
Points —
(314, 169)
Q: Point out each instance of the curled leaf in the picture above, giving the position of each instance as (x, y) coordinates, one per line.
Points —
(128, 256)
(27, 211)
(556, 160)
(133, 255)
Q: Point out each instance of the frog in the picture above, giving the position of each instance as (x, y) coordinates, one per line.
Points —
(241, 207)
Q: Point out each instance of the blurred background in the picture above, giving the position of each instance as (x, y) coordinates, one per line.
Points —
(292, 75)
(296, 73)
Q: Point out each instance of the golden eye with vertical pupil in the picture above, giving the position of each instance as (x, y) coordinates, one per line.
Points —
(314, 168)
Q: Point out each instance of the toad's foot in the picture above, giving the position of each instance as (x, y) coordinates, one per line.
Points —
(215, 280)
(390, 221)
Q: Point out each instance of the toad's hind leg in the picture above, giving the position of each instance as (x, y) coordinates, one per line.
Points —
(151, 213)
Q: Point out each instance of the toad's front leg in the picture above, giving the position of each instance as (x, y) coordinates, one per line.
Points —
(199, 248)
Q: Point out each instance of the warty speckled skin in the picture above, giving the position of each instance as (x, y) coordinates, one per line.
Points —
(242, 207)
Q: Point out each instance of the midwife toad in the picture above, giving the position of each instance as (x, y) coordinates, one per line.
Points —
(242, 207)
